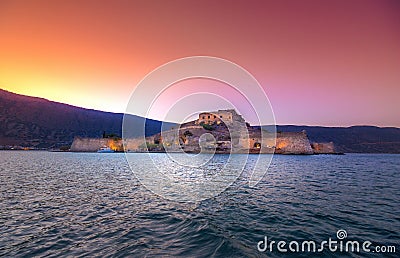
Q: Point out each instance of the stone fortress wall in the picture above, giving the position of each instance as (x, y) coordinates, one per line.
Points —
(81, 144)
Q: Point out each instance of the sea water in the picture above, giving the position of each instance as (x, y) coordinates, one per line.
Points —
(91, 204)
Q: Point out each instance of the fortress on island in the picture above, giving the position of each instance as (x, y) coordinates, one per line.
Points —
(222, 131)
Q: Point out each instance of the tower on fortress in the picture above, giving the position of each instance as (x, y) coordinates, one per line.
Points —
(227, 116)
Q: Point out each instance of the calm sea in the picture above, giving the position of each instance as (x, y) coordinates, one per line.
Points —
(89, 204)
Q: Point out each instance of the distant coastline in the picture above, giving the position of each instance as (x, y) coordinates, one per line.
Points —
(40, 124)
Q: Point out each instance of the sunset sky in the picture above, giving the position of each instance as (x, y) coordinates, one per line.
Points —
(330, 63)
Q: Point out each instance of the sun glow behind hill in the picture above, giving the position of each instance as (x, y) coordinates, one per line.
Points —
(331, 63)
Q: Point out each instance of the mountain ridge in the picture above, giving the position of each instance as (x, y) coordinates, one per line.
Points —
(42, 123)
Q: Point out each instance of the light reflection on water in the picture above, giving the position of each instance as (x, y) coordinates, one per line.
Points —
(60, 204)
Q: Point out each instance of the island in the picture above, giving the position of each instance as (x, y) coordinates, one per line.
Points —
(222, 131)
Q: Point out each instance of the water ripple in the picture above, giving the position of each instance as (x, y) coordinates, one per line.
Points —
(82, 204)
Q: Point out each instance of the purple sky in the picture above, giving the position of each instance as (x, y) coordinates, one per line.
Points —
(332, 63)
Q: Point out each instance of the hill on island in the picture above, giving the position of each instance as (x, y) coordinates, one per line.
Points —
(32, 121)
